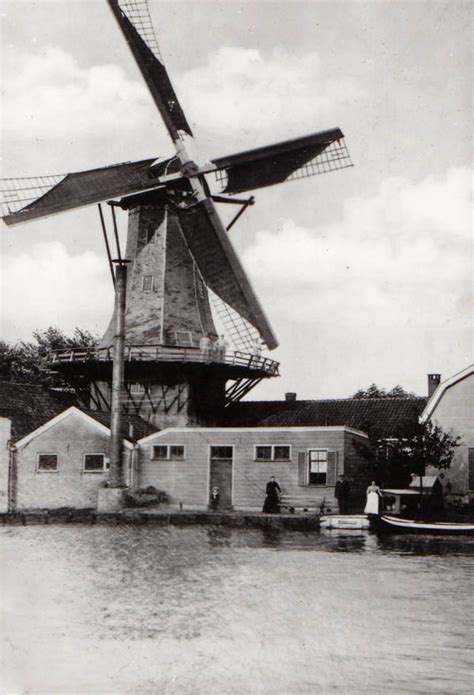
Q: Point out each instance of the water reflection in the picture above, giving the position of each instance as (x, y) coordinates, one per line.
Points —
(215, 610)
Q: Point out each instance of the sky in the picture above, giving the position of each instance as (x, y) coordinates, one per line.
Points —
(366, 274)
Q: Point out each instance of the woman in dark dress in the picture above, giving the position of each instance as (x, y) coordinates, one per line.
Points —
(272, 499)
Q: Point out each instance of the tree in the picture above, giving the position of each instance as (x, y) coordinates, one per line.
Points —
(26, 362)
(412, 448)
(374, 392)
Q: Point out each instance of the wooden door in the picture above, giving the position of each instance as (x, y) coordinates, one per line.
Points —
(221, 474)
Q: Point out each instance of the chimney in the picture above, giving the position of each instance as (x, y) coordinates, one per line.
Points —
(290, 397)
(433, 383)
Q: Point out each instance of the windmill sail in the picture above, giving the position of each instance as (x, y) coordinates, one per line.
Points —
(220, 267)
(134, 20)
(32, 198)
(265, 166)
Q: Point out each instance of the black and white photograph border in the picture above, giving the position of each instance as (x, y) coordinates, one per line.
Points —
(236, 367)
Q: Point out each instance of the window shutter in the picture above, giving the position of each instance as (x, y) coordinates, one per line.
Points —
(471, 468)
(302, 468)
(332, 468)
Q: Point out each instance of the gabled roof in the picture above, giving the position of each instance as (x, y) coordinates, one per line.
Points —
(101, 421)
(384, 415)
(441, 390)
(29, 406)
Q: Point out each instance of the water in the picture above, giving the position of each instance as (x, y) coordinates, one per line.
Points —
(168, 610)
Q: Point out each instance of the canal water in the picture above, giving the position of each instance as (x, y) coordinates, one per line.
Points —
(211, 610)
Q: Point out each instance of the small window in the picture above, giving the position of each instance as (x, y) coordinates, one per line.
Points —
(160, 452)
(137, 388)
(221, 452)
(164, 452)
(176, 451)
(47, 463)
(281, 453)
(263, 453)
(147, 283)
(272, 452)
(95, 463)
(184, 338)
(318, 467)
(150, 235)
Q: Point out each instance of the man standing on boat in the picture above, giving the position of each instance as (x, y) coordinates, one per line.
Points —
(341, 493)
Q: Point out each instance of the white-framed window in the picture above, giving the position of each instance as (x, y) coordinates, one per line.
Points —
(46, 463)
(318, 466)
(272, 452)
(137, 388)
(168, 452)
(222, 453)
(95, 463)
(147, 283)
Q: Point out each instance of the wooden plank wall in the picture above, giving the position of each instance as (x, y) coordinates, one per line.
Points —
(187, 481)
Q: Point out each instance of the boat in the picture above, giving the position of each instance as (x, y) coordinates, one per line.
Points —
(345, 521)
(393, 524)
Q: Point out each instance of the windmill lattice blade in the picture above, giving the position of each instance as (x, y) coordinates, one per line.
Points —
(31, 198)
(17, 193)
(220, 267)
(285, 161)
(133, 17)
(238, 330)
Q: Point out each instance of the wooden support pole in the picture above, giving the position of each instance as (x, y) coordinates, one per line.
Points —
(116, 476)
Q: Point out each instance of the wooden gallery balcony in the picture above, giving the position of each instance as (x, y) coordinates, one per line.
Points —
(160, 363)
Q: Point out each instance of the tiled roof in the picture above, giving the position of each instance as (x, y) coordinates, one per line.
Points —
(133, 426)
(30, 406)
(384, 415)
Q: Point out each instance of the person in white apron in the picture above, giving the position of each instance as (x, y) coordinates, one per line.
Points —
(373, 499)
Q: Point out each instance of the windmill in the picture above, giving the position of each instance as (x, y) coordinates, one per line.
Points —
(180, 256)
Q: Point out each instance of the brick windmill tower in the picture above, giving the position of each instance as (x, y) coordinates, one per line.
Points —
(184, 279)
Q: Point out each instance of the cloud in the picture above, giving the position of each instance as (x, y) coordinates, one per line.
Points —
(239, 97)
(390, 283)
(51, 95)
(53, 287)
(240, 89)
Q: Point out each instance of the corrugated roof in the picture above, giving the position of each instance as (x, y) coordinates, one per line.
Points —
(384, 415)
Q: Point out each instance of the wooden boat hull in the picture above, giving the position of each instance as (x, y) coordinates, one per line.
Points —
(392, 524)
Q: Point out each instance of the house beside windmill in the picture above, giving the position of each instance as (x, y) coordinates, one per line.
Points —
(54, 455)
(58, 457)
(451, 406)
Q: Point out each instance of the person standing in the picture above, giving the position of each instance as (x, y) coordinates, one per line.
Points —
(205, 347)
(341, 493)
(214, 501)
(373, 499)
(221, 347)
(272, 498)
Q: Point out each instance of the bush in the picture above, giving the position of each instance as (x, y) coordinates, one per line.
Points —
(146, 497)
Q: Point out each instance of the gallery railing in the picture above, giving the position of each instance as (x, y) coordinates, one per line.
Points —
(160, 353)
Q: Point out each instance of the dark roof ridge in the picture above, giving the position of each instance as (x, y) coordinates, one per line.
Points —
(347, 398)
